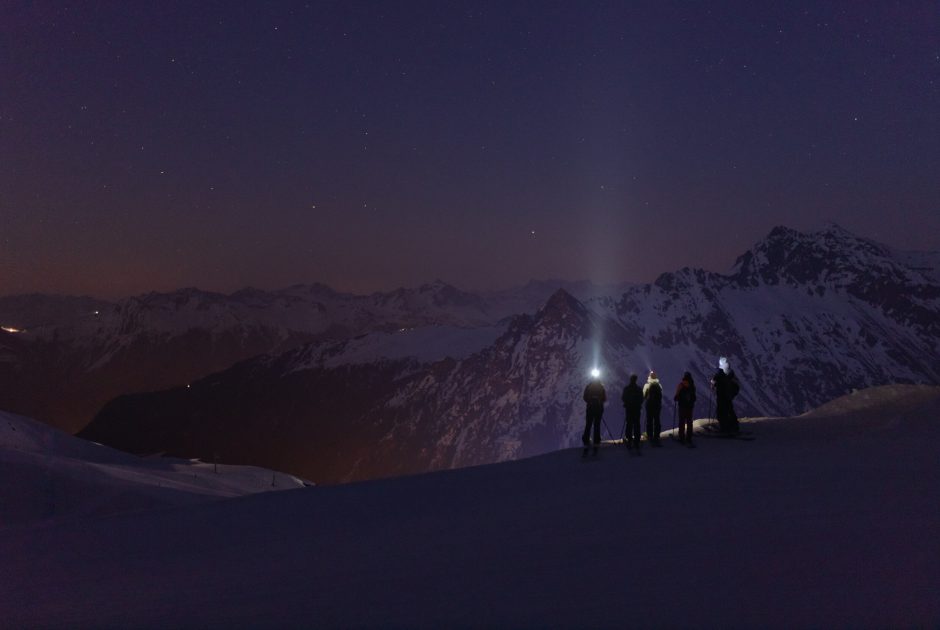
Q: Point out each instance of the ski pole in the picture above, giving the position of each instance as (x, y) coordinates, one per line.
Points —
(609, 434)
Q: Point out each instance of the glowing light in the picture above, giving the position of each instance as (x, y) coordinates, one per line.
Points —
(11, 329)
(595, 373)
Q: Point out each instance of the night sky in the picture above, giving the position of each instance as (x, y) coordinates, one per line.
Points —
(151, 146)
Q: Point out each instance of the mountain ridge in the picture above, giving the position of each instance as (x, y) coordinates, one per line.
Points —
(792, 345)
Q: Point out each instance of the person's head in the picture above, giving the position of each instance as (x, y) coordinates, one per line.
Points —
(723, 364)
(653, 376)
(633, 378)
(687, 377)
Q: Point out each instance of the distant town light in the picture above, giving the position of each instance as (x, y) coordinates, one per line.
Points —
(11, 329)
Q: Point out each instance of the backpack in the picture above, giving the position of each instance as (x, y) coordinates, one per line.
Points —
(655, 395)
(632, 397)
(687, 396)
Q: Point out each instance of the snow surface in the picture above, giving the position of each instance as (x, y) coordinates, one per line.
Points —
(426, 344)
(827, 519)
(48, 475)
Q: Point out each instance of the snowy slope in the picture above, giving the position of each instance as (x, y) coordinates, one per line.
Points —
(804, 317)
(426, 344)
(64, 371)
(826, 520)
(49, 475)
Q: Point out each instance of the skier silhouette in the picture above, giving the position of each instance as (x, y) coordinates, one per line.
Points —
(595, 396)
(726, 387)
(653, 393)
(685, 402)
(633, 406)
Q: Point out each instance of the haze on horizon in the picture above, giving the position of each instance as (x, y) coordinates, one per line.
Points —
(369, 147)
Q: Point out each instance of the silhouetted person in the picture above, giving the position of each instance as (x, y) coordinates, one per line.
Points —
(726, 387)
(653, 393)
(685, 402)
(633, 407)
(595, 396)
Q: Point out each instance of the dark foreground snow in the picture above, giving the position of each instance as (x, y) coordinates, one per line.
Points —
(47, 476)
(830, 519)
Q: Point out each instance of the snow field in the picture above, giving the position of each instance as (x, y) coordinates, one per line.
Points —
(824, 520)
(49, 476)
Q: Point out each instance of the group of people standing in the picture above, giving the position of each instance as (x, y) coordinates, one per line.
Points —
(634, 398)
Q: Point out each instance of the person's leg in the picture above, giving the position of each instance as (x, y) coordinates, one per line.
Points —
(587, 428)
(721, 411)
(687, 423)
(597, 428)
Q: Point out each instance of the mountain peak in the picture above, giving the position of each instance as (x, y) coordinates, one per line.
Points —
(438, 285)
(831, 227)
(831, 254)
(563, 309)
(561, 300)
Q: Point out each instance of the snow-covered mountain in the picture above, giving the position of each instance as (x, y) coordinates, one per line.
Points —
(803, 318)
(826, 520)
(50, 475)
(61, 359)
(531, 296)
(340, 413)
